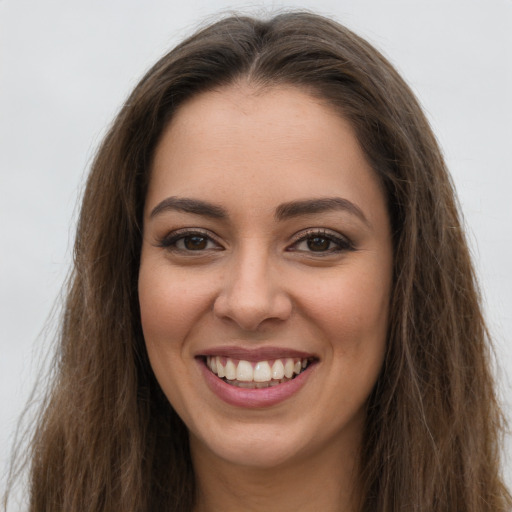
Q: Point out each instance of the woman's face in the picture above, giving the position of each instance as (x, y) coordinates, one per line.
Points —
(266, 252)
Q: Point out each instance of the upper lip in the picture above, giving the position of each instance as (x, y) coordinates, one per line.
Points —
(255, 354)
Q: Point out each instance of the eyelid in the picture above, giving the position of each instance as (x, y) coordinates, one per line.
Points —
(343, 242)
(169, 240)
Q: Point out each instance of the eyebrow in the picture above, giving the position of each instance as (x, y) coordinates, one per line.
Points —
(283, 211)
(187, 205)
(311, 206)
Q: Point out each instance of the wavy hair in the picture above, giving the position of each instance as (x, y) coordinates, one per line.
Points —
(107, 439)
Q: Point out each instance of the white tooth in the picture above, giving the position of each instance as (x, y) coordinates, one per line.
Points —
(221, 371)
(278, 369)
(213, 364)
(288, 368)
(230, 369)
(304, 363)
(244, 371)
(262, 372)
(297, 367)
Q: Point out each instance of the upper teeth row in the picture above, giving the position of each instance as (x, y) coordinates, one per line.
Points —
(261, 371)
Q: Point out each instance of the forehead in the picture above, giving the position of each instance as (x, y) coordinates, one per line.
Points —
(242, 113)
(266, 145)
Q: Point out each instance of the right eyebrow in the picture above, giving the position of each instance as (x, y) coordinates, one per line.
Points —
(324, 204)
(187, 205)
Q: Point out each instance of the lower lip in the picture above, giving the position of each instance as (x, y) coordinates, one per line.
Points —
(254, 398)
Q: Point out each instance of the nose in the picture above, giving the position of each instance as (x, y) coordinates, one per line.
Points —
(252, 294)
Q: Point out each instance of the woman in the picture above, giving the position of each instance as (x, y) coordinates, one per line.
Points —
(273, 305)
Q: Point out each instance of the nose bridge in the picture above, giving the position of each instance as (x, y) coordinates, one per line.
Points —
(252, 292)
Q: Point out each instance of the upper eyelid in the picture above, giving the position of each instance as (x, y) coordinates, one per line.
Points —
(297, 237)
(186, 231)
(344, 242)
(177, 234)
(327, 232)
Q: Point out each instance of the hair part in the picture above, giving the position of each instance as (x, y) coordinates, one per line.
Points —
(109, 440)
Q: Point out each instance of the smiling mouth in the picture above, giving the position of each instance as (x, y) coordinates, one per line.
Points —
(256, 374)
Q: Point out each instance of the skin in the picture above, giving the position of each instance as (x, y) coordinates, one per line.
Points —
(255, 281)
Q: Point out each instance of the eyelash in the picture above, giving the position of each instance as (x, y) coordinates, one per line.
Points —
(170, 242)
(342, 242)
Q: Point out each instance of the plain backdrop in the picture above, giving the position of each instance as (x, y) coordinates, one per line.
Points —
(66, 67)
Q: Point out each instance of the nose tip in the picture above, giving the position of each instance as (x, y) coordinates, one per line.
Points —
(250, 315)
(252, 301)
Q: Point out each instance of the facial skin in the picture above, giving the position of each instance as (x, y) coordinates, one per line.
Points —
(246, 275)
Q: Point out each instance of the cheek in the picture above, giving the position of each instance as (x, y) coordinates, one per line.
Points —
(166, 308)
(350, 303)
(170, 304)
(355, 323)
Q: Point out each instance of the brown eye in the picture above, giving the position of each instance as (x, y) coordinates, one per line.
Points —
(195, 242)
(318, 244)
(322, 242)
(187, 241)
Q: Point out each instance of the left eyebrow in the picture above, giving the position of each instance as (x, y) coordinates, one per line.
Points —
(311, 206)
(188, 205)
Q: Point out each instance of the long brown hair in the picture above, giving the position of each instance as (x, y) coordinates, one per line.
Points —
(107, 438)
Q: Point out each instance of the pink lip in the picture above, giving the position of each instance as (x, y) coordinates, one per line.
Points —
(254, 398)
(255, 354)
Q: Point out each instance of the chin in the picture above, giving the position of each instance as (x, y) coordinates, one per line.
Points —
(260, 447)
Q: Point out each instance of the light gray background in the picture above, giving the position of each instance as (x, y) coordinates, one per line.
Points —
(65, 68)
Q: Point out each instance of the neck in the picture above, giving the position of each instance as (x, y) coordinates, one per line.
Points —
(321, 481)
